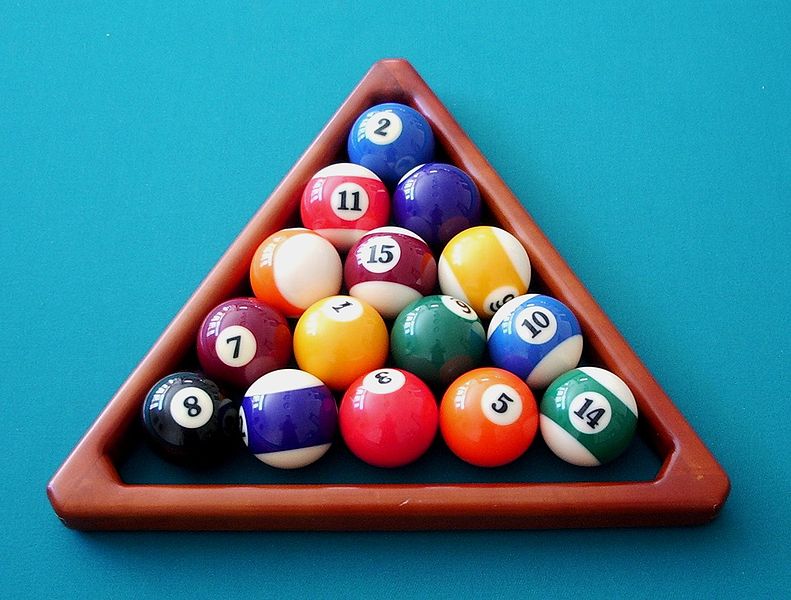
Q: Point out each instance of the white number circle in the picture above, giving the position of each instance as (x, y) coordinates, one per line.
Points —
(235, 346)
(191, 407)
(501, 404)
(496, 299)
(384, 381)
(383, 127)
(535, 324)
(457, 307)
(590, 412)
(342, 309)
(349, 201)
(379, 254)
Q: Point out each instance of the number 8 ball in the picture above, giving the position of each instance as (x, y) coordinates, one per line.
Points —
(189, 420)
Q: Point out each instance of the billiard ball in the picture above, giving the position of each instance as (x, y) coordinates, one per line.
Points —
(388, 418)
(536, 337)
(242, 339)
(488, 417)
(436, 201)
(343, 201)
(293, 268)
(189, 420)
(338, 339)
(288, 419)
(437, 338)
(588, 416)
(389, 268)
(484, 266)
(390, 139)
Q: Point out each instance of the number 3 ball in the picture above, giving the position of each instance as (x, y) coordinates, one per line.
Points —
(293, 268)
(390, 139)
(389, 268)
(343, 201)
(288, 419)
(484, 266)
(388, 418)
(189, 420)
(488, 417)
(536, 337)
(242, 339)
(588, 416)
(340, 338)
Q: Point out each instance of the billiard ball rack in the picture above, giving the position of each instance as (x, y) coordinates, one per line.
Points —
(690, 487)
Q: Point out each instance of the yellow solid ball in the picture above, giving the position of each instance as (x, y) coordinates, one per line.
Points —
(339, 338)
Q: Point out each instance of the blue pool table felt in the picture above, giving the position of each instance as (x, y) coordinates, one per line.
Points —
(652, 144)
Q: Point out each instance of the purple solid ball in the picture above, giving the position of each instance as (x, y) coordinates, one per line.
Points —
(436, 201)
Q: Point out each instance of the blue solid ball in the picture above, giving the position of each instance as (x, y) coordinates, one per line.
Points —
(390, 139)
(288, 418)
(436, 201)
(536, 337)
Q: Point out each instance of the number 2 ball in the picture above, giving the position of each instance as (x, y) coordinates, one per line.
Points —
(242, 339)
(189, 420)
(288, 419)
(390, 139)
(488, 417)
(389, 268)
(388, 418)
(588, 416)
(343, 201)
(536, 337)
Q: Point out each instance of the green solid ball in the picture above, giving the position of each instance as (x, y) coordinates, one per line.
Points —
(588, 416)
(438, 338)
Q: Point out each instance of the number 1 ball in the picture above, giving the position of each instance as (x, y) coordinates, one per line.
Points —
(189, 420)
(388, 418)
(588, 416)
(390, 139)
(389, 268)
(242, 339)
(343, 201)
(536, 337)
(488, 417)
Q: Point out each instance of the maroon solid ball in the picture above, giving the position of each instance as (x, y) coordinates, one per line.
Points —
(389, 268)
(242, 339)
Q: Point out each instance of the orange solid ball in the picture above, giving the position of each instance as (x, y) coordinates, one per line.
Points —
(488, 417)
(339, 338)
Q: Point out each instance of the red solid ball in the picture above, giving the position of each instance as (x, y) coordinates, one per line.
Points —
(344, 201)
(388, 418)
(242, 339)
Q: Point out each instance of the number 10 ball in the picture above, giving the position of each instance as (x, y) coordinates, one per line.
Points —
(588, 416)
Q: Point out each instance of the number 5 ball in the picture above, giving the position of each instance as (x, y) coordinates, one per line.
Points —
(343, 201)
(536, 337)
(338, 339)
(488, 417)
(588, 416)
(484, 266)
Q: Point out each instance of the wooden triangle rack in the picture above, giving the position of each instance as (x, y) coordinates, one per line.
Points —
(690, 487)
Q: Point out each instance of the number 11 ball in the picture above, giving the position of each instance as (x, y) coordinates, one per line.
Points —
(390, 139)
(343, 201)
(588, 416)
(488, 417)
